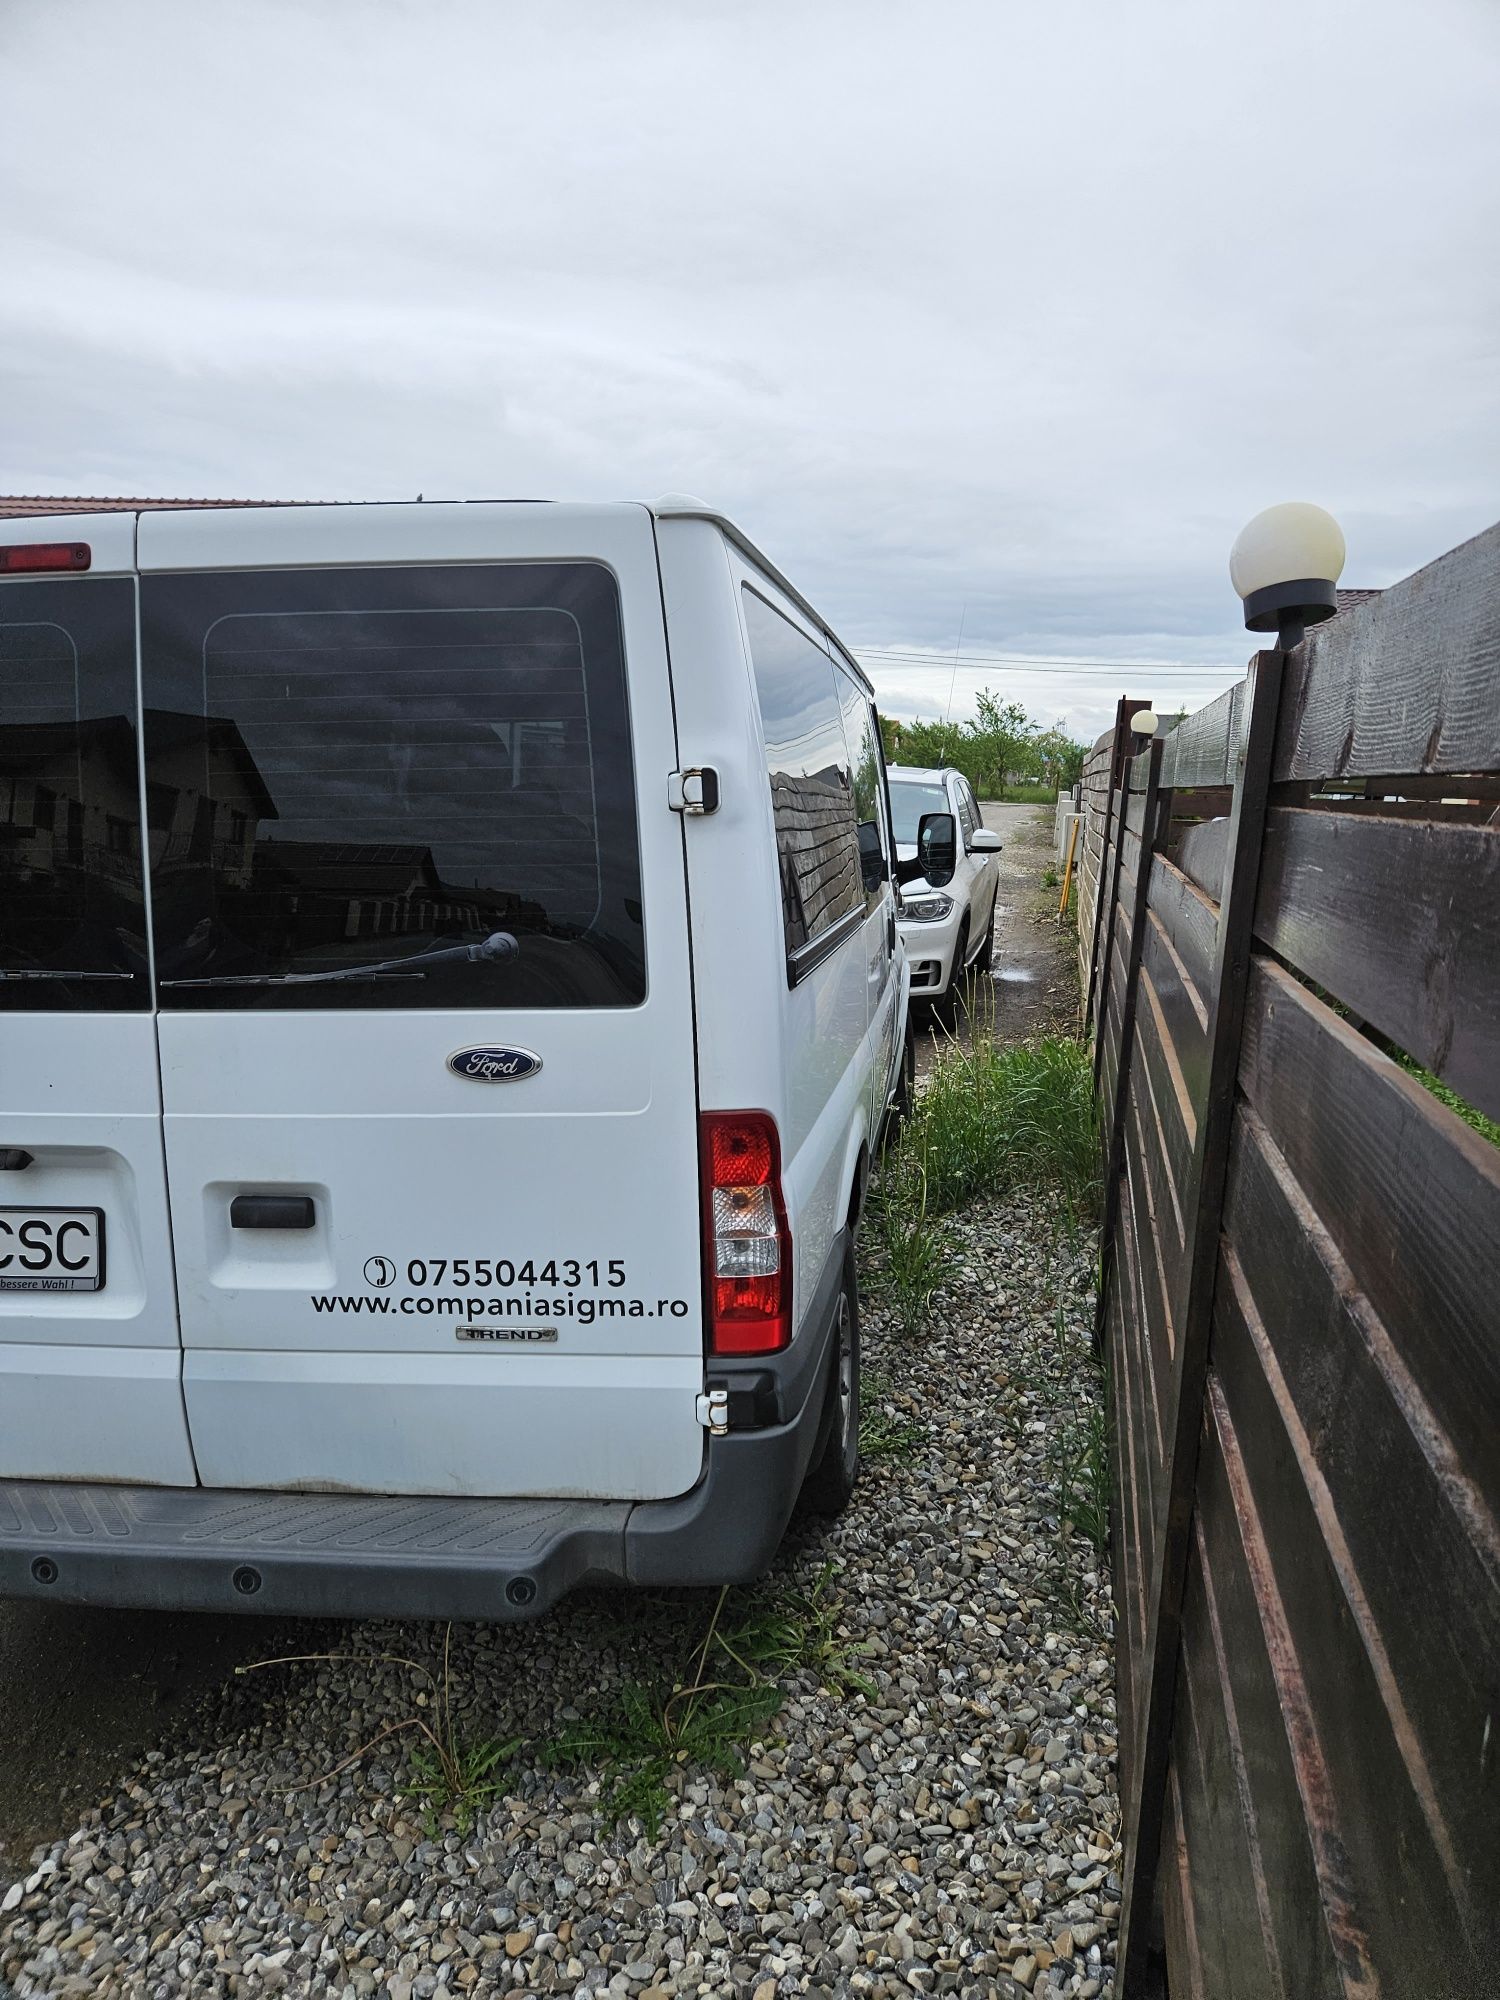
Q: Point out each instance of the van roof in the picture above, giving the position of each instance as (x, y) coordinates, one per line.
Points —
(671, 506)
(684, 507)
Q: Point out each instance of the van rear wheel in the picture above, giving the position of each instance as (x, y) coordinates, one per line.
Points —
(831, 1478)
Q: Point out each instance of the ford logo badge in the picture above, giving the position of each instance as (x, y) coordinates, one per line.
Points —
(490, 1065)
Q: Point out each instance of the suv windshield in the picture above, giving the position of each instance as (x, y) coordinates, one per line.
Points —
(908, 803)
(357, 780)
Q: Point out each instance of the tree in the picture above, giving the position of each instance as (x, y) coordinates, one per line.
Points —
(999, 746)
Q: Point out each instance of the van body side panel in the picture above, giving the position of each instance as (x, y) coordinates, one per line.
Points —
(824, 1016)
(738, 955)
(418, 819)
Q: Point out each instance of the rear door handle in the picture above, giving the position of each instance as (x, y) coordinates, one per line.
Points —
(271, 1211)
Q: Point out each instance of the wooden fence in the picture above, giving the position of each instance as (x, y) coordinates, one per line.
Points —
(1297, 900)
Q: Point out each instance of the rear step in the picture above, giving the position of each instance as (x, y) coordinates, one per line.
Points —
(302, 1554)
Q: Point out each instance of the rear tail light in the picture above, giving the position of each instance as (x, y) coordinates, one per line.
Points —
(22, 556)
(747, 1242)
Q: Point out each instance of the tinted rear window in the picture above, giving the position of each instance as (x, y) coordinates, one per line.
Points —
(351, 772)
(72, 914)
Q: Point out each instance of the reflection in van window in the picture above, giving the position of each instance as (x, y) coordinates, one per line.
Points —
(72, 909)
(358, 781)
(863, 739)
(811, 785)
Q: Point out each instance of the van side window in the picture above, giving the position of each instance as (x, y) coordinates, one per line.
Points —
(71, 894)
(356, 779)
(863, 740)
(812, 786)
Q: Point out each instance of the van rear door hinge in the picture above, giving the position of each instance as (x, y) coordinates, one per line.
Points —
(713, 1411)
(694, 791)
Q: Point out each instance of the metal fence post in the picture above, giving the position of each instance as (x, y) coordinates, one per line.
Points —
(1114, 1150)
(1145, 1787)
(1109, 810)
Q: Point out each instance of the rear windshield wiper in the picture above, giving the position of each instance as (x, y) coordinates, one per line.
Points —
(499, 945)
(37, 973)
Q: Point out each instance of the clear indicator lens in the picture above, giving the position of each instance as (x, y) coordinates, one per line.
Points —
(744, 1211)
(747, 1257)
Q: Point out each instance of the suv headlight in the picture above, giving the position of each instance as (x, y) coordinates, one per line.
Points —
(928, 909)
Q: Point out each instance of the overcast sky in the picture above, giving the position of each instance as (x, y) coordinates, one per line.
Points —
(995, 317)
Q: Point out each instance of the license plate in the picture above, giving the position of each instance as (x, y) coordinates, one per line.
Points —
(51, 1249)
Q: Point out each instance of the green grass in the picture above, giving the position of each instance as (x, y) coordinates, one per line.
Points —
(995, 1116)
(1079, 1466)
(453, 1774)
(913, 1256)
(728, 1691)
(1027, 795)
(885, 1436)
(1475, 1120)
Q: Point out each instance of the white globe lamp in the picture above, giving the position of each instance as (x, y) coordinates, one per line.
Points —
(1285, 565)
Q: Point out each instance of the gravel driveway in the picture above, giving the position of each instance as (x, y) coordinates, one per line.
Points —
(953, 1830)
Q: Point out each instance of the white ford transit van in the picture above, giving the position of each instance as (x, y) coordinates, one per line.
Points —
(450, 997)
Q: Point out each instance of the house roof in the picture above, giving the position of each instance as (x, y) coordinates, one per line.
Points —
(14, 506)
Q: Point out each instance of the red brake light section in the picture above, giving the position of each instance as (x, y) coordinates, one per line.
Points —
(19, 557)
(746, 1239)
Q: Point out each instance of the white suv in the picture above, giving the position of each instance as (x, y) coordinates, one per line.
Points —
(947, 917)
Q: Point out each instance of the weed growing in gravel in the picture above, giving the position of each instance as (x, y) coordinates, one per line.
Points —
(451, 1773)
(1079, 1468)
(883, 1435)
(913, 1258)
(993, 1116)
(729, 1692)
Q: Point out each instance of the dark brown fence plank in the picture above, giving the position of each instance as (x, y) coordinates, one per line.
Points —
(1152, 1307)
(1140, 1450)
(1130, 1598)
(1407, 682)
(1397, 1617)
(1201, 855)
(1400, 920)
(1238, 1794)
(1178, 1005)
(1179, 1906)
(1411, 1199)
(1187, 917)
(1171, 1102)
(1204, 749)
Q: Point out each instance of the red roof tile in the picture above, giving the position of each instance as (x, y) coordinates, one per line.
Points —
(13, 506)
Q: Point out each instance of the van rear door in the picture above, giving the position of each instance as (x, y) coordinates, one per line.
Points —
(425, 1023)
(89, 1356)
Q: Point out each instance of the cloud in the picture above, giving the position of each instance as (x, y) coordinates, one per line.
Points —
(1007, 316)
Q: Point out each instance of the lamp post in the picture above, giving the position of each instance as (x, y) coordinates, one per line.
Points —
(1286, 564)
(1145, 722)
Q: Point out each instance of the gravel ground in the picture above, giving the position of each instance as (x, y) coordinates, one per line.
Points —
(955, 1831)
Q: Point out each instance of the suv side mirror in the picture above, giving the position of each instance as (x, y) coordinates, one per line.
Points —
(983, 841)
(937, 847)
(872, 866)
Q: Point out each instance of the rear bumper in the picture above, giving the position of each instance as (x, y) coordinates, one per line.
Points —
(337, 1555)
(342, 1555)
